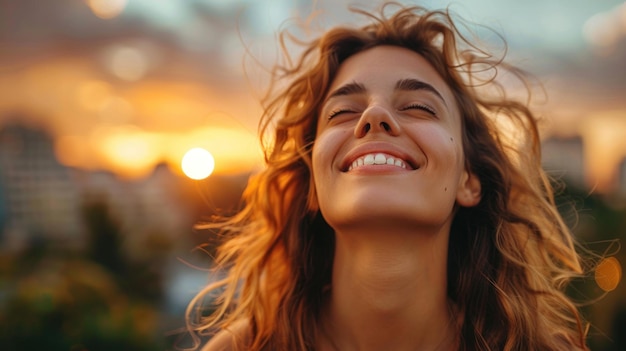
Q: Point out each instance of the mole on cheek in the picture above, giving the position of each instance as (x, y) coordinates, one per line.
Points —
(445, 189)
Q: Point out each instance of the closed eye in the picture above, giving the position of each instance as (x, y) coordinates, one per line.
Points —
(337, 112)
(420, 107)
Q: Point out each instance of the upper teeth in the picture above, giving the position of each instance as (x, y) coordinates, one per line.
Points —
(377, 159)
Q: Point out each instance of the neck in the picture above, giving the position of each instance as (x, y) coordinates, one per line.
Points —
(389, 291)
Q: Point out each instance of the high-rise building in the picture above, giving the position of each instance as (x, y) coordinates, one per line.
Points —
(40, 199)
(43, 201)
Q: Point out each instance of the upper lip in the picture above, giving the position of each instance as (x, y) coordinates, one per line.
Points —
(379, 147)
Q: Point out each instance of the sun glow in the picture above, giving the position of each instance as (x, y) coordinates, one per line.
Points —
(198, 163)
(129, 148)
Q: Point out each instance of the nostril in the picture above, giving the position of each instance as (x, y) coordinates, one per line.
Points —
(385, 126)
(367, 127)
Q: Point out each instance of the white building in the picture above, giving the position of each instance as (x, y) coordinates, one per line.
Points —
(42, 200)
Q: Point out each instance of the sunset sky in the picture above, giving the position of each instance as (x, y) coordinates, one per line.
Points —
(125, 84)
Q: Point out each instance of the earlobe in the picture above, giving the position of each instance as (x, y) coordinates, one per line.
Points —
(469, 192)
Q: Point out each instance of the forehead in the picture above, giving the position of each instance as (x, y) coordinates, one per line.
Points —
(382, 66)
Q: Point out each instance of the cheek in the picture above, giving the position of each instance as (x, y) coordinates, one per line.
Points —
(327, 145)
(324, 149)
(440, 145)
(316, 164)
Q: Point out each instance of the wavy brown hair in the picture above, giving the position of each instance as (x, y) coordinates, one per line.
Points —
(510, 257)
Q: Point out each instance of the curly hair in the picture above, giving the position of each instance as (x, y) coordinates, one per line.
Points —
(509, 258)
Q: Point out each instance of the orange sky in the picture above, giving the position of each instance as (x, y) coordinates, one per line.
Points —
(130, 126)
(127, 103)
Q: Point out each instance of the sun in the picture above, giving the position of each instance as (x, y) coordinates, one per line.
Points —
(198, 163)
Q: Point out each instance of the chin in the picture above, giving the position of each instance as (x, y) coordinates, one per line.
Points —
(374, 213)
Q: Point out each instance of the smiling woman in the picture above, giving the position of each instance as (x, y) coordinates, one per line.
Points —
(398, 110)
(393, 213)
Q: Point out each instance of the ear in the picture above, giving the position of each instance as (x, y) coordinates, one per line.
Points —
(469, 191)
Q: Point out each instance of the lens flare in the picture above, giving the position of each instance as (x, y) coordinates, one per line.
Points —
(608, 274)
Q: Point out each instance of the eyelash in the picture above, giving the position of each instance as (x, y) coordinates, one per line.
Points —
(412, 106)
(420, 107)
(338, 112)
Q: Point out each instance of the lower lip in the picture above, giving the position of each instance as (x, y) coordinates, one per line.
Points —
(378, 169)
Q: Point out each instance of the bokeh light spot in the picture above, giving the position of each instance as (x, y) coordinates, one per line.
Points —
(116, 109)
(198, 163)
(608, 273)
(107, 9)
(128, 63)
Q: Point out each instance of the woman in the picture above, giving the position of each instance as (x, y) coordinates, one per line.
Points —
(395, 212)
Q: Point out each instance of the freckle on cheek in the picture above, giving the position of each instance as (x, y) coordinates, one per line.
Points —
(445, 189)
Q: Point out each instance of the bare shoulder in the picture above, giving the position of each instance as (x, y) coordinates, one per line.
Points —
(228, 338)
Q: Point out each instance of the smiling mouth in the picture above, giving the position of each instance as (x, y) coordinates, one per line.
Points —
(379, 159)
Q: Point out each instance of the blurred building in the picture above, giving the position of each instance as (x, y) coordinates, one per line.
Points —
(152, 215)
(40, 198)
(563, 159)
(42, 201)
(3, 212)
(621, 177)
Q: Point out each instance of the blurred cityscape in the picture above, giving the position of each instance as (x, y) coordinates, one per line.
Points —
(93, 261)
(100, 100)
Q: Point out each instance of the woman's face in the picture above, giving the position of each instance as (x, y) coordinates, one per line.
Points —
(388, 148)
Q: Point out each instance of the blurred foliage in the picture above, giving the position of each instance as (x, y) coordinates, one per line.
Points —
(96, 300)
(598, 222)
(107, 298)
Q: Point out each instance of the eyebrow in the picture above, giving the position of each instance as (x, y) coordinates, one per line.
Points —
(411, 84)
(408, 84)
(348, 89)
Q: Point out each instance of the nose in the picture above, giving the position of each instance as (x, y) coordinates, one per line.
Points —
(377, 119)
